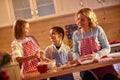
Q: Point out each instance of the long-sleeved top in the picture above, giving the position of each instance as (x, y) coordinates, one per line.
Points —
(17, 47)
(24, 48)
(99, 36)
(61, 55)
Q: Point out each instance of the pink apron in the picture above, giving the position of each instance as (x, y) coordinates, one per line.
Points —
(88, 46)
(29, 49)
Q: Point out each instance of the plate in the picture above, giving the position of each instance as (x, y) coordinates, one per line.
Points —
(86, 62)
(67, 66)
(105, 59)
(114, 55)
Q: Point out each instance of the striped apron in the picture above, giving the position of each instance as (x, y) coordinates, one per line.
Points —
(88, 46)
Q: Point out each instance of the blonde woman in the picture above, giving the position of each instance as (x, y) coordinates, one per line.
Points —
(90, 43)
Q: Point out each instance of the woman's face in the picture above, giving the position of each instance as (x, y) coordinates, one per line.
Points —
(82, 21)
(54, 36)
(26, 30)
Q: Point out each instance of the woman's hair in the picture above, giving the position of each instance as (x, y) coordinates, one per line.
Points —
(59, 30)
(18, 28)
(89, 13)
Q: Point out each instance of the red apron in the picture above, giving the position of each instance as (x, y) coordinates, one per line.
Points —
(88, 46)
(29, 49)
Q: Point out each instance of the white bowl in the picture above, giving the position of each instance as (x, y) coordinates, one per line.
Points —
(51, 64)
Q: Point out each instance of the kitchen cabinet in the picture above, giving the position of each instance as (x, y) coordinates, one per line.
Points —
(95, 4)
(30, 9)
(40, 9)
(13, 71)
(33, 9)
(67, 6)
(71, 6)
(5, 19)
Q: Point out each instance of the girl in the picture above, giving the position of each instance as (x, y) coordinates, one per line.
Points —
(25, 48)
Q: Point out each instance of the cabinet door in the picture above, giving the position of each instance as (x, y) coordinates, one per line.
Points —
(95, 4)
(67, 6)
(13, 71)
(71, 6)
(5, 18)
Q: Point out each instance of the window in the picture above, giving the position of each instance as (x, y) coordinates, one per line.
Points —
(45, 7)
(24, 10)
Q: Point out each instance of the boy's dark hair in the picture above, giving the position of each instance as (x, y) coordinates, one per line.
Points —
(59, 30)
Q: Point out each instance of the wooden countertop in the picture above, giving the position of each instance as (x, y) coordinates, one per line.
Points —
(57, 72)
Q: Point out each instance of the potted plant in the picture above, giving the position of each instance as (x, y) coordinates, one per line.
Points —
(4, 59)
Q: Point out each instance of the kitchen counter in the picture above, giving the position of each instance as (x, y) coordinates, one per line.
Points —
(57, 72)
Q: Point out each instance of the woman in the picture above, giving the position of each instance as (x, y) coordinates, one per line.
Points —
(90, 43)
(25, 49)
(59, 51)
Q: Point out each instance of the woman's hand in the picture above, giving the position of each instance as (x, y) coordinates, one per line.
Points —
(95, 59)
(90, 58)
(86, 57)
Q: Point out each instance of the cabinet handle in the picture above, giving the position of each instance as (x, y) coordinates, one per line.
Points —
(36, 11)
(32, 12)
